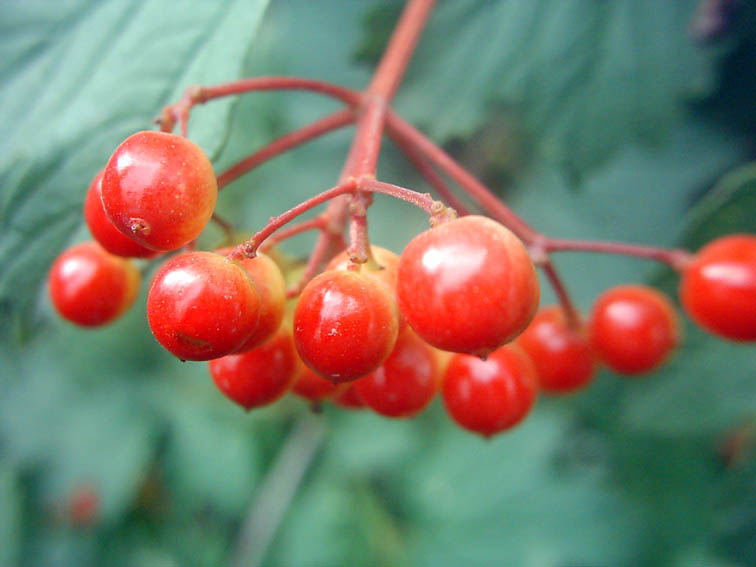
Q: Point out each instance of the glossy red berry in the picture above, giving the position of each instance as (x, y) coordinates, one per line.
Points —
(562, 355)
(718, 287)
(159, 189)
(633, 328)
(270, 284)
(83, 505)
(406, 383)
(104, 231)
(467, 285)
(260, 376)
(91, 287)
(345, 324)
(314, 387)
(492, 395)
(202, 305)
(384, 266)
(348, 398)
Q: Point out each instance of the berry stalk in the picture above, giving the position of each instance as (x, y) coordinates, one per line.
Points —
(285, 143)
(675, 258)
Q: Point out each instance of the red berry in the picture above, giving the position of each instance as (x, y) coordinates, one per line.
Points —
(345, 324)
(262, 375)
(315, 388)
(718, 287)
(90, 287)
(202, 305)
(562, 356)
(383, 266)
(272, 288)
(467, 285)
(491, 395)
(404, 384)
(103, 229)
(83, 505)
(348, 398)
(633, 328)
(160, 189)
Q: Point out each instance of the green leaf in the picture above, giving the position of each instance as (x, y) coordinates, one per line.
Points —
(210, 459)
(728, 208)
(10, 516)
(585, 78)
(77, 78)
(509, 501)
(105, 445)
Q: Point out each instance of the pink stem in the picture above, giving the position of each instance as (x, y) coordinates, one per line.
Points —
(316, 223)
(286, 143)
(203, 94)
(571, 314)
(490, 202)
(674, 258)
(432, 177)
(401, 46)
(249, 248)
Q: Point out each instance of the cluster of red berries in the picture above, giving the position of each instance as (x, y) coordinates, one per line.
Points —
(457, 311)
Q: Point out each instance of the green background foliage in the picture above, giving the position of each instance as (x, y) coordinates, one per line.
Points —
(593, 119)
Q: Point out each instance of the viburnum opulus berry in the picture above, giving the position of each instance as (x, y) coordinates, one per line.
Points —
(270, 284)
(260, 376)
(348, 398)
(159, 189)
(383, 265)
(718, 287)
(202, 305)
(633, 328)
(406, 383)
(492, 395)
(314, 387)
(345, 324)
(91, 287)
(561, 354)
(104, 231)
(467, 285)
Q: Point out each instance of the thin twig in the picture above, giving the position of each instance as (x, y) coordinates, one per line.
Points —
(277, 490)
(286, 143)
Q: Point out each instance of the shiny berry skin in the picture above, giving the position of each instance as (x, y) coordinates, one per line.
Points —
(260, 376)
(270, 284)
(345, 324)
(562, 356)
(315, 388)
(406, 383)
(159, 189)
(492, 395)
(202, 306)
(348, 398)
(633, 328)
(91, 287)
(718, 287)
(384, 266)
(467, 285)
(104, 231)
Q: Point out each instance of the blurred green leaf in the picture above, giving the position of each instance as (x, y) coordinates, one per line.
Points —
(728, 208)
(210, 461)
(102, 444)
(619, 70)
(509, 502)
(10, 516)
